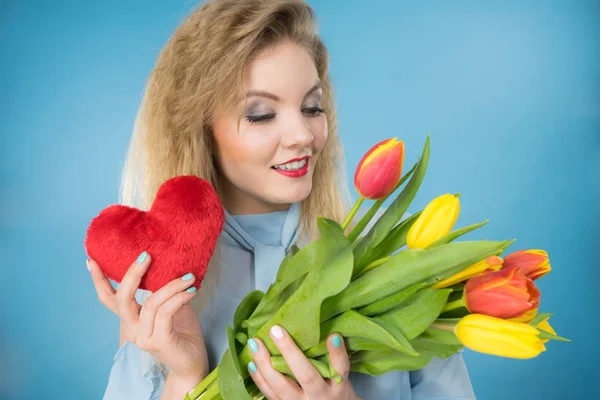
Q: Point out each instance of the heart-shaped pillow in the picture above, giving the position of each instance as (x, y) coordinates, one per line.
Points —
(179, 232)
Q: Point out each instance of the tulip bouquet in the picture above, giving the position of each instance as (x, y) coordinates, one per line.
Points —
(400, 294)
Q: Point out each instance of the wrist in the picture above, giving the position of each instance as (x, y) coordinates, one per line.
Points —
(176, 386)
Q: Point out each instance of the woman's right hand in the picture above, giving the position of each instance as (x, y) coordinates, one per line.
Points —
(166, 325)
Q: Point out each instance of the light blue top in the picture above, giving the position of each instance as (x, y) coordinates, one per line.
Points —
(251, 249)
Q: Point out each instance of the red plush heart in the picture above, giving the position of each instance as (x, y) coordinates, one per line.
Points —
(179, 232)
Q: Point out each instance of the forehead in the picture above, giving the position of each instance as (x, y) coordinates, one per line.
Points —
(283, 68)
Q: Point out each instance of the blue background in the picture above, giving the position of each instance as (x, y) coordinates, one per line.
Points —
(509, 92)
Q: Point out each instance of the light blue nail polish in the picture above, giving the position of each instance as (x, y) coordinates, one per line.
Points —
(336, 341)
(252, 367)
(187, 277)
(253, 345)
(191, 290)
(142, 257)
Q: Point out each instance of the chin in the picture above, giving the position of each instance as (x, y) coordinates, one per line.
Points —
(292, 193)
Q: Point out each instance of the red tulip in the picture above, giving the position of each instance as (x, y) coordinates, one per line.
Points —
(504, 294)
(380, 170)
(533, 263)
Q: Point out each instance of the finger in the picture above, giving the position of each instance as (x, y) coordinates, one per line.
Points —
(260, 381)
(282, 386)
(306, 374)
(163, 322)
(338, 358)
(156, 300)
(105, 291)
(126, 303)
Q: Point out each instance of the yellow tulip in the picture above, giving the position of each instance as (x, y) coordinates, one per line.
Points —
(499, 337)
(492, 263)
(545, 326)
(436, 220)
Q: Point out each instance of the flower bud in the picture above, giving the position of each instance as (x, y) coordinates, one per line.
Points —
(503, 294)
(380, 170)
(492, 263)
(499, 337)
(533, 263)
(436, 220)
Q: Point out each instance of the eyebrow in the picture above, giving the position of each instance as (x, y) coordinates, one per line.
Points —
(271, 96)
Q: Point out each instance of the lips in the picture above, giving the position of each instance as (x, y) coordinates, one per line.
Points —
(295, 172)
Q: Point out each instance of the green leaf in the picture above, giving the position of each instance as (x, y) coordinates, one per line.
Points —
(395, 240)
(231, 381)
(241, 337)
(435, 349)
(392, 215)
(389, 302)
(539, 318)
(280, 365)
(408, 268)
(364, 221)
(549, 336)
(377, 363)
(353, 324)
(416, 314)
(441, 336)
(246, 308)
(451, 236)
(359, 343)
(292, 270)
(300, 314)
(259, 318)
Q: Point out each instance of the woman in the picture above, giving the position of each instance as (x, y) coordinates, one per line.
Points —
(241, 96)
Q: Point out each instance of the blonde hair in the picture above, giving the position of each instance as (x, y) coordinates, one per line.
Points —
(198, 73)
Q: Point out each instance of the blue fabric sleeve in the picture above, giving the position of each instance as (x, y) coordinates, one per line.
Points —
(442, 380)
(131, 379)
(133, 376)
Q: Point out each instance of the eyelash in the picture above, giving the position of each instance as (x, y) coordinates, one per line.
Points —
(313, 111)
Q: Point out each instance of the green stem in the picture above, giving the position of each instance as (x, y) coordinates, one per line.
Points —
(352, 213)
(442, 327)
(364, 221)
(202, 386)
(453, 305)
(211, 393)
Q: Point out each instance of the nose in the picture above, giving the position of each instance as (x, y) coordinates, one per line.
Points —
(297, 133)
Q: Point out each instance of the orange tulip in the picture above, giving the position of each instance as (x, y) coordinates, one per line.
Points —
(533, 263)
(504, 294)
(380, 170)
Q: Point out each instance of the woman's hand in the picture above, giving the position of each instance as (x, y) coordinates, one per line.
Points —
(165, 326)
(276, 386)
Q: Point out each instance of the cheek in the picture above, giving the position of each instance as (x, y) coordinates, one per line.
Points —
(240, 151)
(320, 132)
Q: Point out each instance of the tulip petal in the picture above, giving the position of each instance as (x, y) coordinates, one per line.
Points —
(499, 337)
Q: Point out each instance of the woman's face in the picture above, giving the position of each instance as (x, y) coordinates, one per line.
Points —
(268, 162)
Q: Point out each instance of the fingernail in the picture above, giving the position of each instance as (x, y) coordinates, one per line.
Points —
(142, 257)
(187, 277)
(191, 290)
(252, 367)
(253, 345)
(87, 264)
(336, 341)
(277, 332)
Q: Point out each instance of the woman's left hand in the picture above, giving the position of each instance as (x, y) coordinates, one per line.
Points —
(311, 385)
